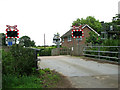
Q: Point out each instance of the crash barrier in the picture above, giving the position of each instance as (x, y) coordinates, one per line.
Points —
(108, 52)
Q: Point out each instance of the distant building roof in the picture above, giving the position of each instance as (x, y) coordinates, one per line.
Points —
(68, 33)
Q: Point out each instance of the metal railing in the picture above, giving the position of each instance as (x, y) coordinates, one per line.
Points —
(87, 49)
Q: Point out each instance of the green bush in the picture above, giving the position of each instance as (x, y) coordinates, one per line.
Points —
(7, 63)
(42, 72)
(47, 69)
(45, 52)
(111, 42)
(18, 60)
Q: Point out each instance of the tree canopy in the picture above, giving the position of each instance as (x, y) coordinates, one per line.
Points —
(26, 41)
(91, 21)
(117, 21)
(93, 38)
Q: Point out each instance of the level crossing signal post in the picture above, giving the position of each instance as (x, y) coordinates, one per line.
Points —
(77, 32)
(12, 33)
(56, 40)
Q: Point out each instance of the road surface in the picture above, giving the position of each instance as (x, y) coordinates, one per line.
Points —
(82, 73)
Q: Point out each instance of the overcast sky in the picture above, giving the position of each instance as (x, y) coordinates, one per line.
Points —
(36, 17)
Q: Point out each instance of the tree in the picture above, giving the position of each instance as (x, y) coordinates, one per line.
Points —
(3, 39)
(93, 38)
(32, 43)
(26, 41)
(113, 28)
(76, 23)
(91, 21)
(116, 19)
(116, 22)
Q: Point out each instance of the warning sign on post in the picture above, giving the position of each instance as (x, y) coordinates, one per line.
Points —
(77, 33)
(12, 32)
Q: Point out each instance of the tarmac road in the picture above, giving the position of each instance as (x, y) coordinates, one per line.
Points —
(82, 73)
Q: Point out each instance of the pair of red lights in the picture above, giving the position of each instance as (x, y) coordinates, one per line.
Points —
(12, 31)
(77, 32)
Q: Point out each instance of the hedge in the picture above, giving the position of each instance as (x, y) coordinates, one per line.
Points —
(18, 60)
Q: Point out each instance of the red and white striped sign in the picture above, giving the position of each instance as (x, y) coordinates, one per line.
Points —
(77, 26)
(12, 28)
(77, 29)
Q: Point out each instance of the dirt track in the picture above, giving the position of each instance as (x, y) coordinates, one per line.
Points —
(82, 73)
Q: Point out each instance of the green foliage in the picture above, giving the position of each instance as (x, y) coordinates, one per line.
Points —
(19, 70)
(47, 69)
(106, 26)
(26, 41)
(107, 42)
(18, 60)
(2, 39)
(42, 80)
(34, 70)
(111, 42)
(42, 47)
(76, 23)
(93, 38)
(32, 43)
(117, 22)
(38, 55)
(13, 81)
(45, 52)
(42, 72)
(91, 21)
(7, 63)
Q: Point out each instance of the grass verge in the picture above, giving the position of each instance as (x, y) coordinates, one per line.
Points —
(44, 78)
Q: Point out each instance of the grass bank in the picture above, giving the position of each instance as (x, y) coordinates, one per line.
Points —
(42, 79)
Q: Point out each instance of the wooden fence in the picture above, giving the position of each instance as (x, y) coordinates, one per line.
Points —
(65, 51)
(61, 51)
(100, 52)
(75, 50)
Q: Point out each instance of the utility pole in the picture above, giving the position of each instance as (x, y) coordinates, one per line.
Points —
(119, 9)
(44, 40)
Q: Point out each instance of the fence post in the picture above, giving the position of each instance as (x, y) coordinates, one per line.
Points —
(119, 54)
(84, 49)
(99, 52)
